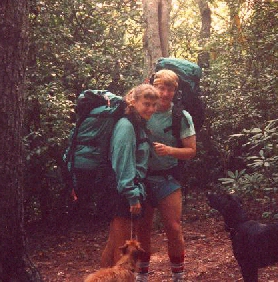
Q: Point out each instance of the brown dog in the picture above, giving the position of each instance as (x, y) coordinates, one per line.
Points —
(124, 269)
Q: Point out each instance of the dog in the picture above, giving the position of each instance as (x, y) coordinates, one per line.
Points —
(124, 269)
(255, 245)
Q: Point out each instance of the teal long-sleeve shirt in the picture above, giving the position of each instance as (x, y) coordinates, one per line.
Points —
(129, 162)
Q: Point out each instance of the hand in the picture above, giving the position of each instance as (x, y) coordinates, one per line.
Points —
(161, 149)
(135, 209)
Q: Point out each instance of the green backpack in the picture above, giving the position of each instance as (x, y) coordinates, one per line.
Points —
(97, 113)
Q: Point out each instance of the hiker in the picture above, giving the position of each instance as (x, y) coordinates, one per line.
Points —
(163, 188)
(129, 157)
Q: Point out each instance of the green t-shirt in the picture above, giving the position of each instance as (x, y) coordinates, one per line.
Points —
(158, 122)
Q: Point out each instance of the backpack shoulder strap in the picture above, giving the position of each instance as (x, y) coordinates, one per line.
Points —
(137, 128)
(73, 140)
(177, 115)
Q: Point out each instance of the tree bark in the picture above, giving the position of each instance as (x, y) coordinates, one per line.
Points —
(236, 29)
(156, 37)
(203, 56)
(14, 263)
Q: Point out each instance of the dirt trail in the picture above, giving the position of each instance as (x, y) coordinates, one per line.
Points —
(68, 256)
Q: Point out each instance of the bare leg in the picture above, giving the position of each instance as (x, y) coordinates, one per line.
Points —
(120, 230)
(107, 254)
(144, 237)
(145, 229)
(171, 209)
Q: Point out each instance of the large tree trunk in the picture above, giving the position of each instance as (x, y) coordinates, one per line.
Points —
(156, 37)
(14, 263)
(203, 56)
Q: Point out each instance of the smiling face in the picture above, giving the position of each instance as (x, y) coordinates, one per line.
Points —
(145, 107)
(166, 82)
(143, 100)
(166, 93)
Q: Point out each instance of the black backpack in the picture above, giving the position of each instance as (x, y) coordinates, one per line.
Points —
(188, 94)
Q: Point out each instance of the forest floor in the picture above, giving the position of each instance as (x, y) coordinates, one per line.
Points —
(69, 252)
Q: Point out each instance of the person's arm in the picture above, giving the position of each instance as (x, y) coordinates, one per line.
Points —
(188, 151)
(123, 146)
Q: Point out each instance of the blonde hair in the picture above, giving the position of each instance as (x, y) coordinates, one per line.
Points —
(143, 90)
(167, 77)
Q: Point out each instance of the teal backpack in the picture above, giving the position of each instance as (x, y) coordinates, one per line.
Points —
(97, 112)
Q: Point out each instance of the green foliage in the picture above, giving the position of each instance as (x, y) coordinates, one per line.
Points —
(185, 29)
(74, 45)
(238, 143)
(242, 82)
(261, 148)
(260, 178)
(79, 44)
(98, 44)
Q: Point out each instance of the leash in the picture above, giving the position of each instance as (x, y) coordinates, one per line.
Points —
(131, 228)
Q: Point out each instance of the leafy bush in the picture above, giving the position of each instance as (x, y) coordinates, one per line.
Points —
(260, 178)
(75, 45)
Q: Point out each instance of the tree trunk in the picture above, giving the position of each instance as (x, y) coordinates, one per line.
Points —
(236, 29)
(14, 263)
(203, 56)
(156, 37)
